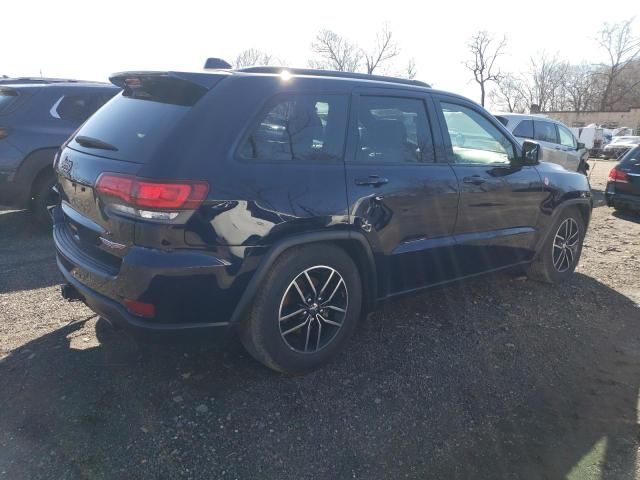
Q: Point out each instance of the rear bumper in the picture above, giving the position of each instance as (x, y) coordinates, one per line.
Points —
(621, 200)
(191, 290)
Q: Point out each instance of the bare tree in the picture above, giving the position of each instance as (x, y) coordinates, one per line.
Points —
(385, 50)
(335, 52)
(252, 57)
(485, 50)
(410, 70)
(622, 49)
(510, 94)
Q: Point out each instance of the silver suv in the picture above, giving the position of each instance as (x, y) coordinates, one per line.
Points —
(559, 144)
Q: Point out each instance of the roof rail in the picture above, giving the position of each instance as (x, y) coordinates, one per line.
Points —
(334, 73)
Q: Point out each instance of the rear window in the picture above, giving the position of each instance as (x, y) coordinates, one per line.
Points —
(524, 129)
(7, 97)
(504, 121)
(631, 160)
(132, 126)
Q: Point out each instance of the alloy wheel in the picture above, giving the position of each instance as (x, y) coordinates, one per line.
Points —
(565, 245)
(313, 309)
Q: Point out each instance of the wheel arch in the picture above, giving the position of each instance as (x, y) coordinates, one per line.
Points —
(584, 207)
(353, 243)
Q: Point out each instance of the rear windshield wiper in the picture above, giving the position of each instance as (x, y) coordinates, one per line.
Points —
(91, 142)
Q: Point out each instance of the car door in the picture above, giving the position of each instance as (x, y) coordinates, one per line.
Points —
(399, 194)
(499, 198)
(569, 147)
(546, 134)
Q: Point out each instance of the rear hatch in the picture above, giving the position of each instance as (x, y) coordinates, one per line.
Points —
(630, 164)
(118, 143)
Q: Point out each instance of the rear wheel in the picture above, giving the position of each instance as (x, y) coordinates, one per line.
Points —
(561, 251)
(306, 311)
(43, 198)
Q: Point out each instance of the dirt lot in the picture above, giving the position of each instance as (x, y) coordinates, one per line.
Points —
(494, 378)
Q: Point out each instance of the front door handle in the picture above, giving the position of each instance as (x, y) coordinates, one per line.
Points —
(474, 179)
(372, 180)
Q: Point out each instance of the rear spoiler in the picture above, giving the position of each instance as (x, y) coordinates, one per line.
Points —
(204, 80)
(178, 88)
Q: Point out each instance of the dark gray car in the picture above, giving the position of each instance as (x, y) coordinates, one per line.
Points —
(36, 117)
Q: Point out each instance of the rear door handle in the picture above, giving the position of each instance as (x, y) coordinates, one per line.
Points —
(474, 179)
(372, 180)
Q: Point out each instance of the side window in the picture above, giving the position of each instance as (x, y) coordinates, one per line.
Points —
(545, 132)
(393, 130)
(474, 138)
(299, 127)
(566, 137)
(524, 129)
(74, 108)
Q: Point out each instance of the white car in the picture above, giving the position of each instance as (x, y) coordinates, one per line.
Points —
(558, 144)
(619, 146)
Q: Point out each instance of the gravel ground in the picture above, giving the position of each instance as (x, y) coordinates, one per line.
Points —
(499, 377)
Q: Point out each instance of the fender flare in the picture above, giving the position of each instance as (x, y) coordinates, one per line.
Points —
(584, 201)
(369, 276)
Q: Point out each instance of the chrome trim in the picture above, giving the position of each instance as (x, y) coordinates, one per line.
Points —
(110, 244)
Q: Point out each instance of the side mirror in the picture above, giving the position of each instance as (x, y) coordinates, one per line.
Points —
(580, 146)
(530, 153)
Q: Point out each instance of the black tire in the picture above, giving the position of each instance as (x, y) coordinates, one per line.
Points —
(262, 333)
(43, 197)
(546, 267)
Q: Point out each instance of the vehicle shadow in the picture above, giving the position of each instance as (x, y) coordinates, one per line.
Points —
(27, 255)
(627, 215)
(493, 378)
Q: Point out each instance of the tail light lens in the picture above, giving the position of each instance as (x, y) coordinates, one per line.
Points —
(151, 199)
(616, 175)
(141, 309)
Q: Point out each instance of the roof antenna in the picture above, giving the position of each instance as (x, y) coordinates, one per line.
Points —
(215, 63)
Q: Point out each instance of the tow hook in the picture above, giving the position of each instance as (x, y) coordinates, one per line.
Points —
(69, 293)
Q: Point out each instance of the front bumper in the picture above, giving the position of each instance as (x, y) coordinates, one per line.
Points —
(185, 287)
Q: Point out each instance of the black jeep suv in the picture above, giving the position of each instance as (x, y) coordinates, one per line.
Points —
(285, 204)
(36, 116)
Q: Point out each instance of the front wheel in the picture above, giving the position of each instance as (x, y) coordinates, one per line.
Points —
(306, 310)
(561, 251)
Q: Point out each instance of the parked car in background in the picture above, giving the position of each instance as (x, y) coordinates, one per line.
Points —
(559, 144)
(36, 117)
(619, 146)
(283, 204)
(623, 187)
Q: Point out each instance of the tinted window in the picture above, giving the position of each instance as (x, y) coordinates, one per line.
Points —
(566, 137)
(74, 108)
(502, 120)
(631, 160)
(474, 138)
(304, 127)
(135, 127)
(524, 129)
(393, 129)
(545, 132)
(7, 97)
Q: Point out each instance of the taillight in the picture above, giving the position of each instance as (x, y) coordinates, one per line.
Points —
(133, 196)
(616, 175)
